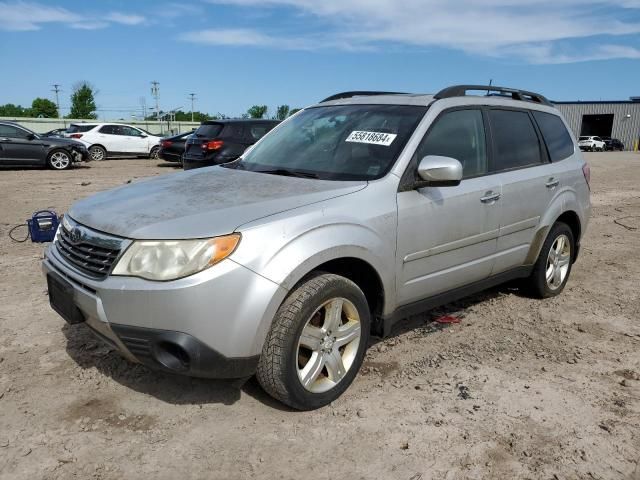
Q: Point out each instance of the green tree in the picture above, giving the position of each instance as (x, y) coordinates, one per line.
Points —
(83, 103)
(295, 110)
(257, 111)
(282, 112)
(43, 107)
(11, 110)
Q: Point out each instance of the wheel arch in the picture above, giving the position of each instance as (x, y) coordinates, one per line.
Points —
(568, 216)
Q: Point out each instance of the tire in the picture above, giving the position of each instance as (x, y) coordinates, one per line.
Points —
(153, 154)
(555, 266)
(59, 160)
(97, 153)
(326, 361)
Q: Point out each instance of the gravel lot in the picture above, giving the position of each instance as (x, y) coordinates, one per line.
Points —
(519, 389)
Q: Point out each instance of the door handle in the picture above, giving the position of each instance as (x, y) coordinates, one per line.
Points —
(552, 183)
(490, 197)
(5, 139)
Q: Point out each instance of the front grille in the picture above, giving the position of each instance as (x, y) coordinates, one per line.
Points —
(88, 257)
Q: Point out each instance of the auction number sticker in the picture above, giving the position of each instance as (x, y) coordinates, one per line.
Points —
(374, 138)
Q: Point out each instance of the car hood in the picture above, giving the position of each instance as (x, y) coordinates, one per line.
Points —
(200, 203)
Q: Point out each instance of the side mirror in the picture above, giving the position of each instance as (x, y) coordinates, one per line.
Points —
(143, 136)
(31, 136)
(439, 171)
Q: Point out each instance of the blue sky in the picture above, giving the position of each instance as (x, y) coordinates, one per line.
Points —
(236, 53)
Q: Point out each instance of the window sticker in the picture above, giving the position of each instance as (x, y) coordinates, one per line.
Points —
(373, 138)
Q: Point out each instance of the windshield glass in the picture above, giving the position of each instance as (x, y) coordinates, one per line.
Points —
(209, 130)
(349, 142)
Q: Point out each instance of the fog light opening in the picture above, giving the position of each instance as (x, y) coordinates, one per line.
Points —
(172, 356)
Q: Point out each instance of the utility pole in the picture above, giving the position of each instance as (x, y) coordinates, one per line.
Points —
(155, 91)
(192, 96)
(56, 89)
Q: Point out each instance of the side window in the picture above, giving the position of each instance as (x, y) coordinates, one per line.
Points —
(555, 135)
(515, 140)
(108, 129)
(256, 132)
(458, 134)
(10, 131)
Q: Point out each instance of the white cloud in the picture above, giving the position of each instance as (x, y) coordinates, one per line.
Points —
(125, 19)
(24, 16)
(489, 27)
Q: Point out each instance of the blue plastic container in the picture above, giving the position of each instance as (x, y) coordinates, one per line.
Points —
(43, 226)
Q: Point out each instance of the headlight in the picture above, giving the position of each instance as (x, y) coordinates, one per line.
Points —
(173, 259)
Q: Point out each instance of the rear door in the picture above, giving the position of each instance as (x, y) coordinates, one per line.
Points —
(529, 182)
(19, 146)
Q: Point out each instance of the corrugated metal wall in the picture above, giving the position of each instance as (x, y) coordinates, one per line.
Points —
(626, 129)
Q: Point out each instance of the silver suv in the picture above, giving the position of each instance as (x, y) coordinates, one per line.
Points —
(352, 214)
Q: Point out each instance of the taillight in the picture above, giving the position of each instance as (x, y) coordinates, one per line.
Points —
(76, 135)
(586, 171)
(213, 145)
(166, 143)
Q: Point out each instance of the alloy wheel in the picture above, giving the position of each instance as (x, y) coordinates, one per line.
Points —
(328, 345)
(60, 160)
(97, 154)
(558, 262)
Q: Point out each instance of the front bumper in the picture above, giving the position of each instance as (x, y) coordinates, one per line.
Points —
(211, 324)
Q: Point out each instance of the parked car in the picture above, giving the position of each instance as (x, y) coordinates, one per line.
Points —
(172, 148)
(221, 141)
(21, 146)
(613, 144)
(591, 144)
(352, 214)
(55, 133)
(115, 140)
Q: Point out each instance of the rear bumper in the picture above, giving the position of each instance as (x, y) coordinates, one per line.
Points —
(169, 156)
(189, 163)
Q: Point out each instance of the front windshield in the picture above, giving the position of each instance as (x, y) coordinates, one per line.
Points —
(347, 142)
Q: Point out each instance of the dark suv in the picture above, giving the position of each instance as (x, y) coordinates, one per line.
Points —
(222, 141)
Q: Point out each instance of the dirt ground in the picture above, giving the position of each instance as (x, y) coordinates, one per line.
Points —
(520, 388)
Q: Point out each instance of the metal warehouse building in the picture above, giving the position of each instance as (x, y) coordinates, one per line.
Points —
(615, 119)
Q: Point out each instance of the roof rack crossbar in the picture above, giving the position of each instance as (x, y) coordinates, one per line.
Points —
(522, 95)
(342, 95)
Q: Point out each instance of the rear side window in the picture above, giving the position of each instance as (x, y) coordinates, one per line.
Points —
(458, 134)
(209, 130)
(80, 128)
(555, 135)
(256, 132)
(515, 140)
(109, 130)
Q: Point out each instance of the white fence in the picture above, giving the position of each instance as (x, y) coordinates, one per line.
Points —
(42, 125)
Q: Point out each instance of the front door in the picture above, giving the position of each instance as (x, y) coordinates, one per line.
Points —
(447, 236)
(19, 146)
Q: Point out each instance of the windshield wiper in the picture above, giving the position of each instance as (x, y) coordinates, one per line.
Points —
(288, 173)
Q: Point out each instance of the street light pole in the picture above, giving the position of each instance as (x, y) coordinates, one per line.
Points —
(155, 91)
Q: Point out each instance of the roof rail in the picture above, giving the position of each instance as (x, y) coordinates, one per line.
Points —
(522, 95)
(339, 96)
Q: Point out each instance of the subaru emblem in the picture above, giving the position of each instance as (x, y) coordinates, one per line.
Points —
(75, 235)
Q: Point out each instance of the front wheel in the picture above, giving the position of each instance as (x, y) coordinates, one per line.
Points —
(553, 267)
(59, 160)
(316, 343)
(153, 155)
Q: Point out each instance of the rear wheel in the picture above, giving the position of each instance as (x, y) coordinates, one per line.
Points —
(97, 153)
(553, 267)
(59, 160)
(316, 344)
